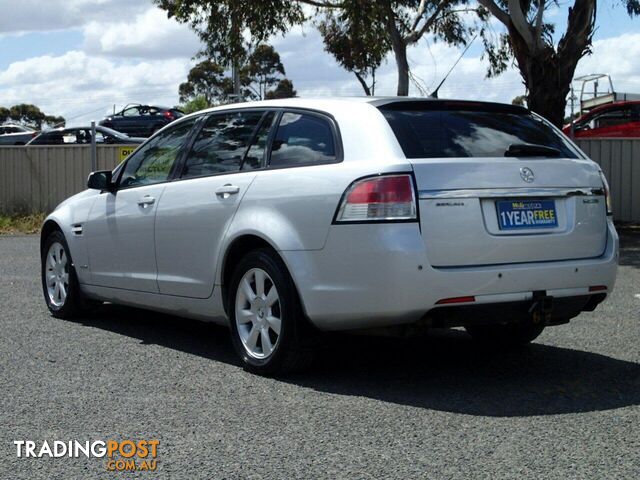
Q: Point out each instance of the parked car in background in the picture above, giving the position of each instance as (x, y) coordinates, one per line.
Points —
(614, 120)
(12, 134)
(288, 217)
(141, 120)
(82, 136)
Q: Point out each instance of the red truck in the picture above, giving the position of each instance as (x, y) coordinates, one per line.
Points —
(612, 120)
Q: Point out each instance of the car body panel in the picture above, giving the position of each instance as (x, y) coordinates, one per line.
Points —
(188, 240)
(171, 257)
(119, 234)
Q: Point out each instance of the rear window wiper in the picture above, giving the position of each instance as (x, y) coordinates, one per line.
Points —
(531, 150)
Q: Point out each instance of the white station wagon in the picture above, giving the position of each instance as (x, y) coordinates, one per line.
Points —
(290, 217)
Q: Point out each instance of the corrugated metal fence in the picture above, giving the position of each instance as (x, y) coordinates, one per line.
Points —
(36, 179)
(620, 162)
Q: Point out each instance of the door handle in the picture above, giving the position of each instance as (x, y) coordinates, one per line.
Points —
(146, 201)
(227, 190)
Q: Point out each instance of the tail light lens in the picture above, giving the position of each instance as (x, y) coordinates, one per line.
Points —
(384, 198)
(607, 194)
(168, 115)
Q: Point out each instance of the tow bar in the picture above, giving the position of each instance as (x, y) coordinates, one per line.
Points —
(541, 307)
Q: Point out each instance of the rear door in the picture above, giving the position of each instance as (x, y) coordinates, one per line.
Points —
(194, 212)
(485, 198)
(120, 227)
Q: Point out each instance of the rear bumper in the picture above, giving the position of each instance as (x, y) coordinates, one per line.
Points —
(378, 275)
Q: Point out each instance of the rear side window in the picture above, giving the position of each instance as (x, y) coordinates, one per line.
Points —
(221, 144)
(302, 139)
(469, 131)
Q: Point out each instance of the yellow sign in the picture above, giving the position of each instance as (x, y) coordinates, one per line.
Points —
(125, 152)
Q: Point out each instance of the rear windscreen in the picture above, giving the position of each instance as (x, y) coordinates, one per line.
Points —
(469, 131)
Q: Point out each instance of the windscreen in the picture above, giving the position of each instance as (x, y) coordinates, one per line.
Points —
(438, 129)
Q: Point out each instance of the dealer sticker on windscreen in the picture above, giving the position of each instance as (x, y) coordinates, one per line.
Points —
(523, 214)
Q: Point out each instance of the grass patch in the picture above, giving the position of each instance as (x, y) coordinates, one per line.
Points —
(17, 224)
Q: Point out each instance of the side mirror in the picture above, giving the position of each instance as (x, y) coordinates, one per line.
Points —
(100, 180)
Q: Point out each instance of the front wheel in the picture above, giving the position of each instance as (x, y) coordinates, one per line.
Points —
(59, 281)
(268, 327)
(505, 335)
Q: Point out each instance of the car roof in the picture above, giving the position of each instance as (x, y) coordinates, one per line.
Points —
(330, 104)
(607, 106)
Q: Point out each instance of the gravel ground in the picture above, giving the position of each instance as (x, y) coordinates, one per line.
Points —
(566, 407)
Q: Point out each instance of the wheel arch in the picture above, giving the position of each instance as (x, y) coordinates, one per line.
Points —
(235, 251)
(48, 227)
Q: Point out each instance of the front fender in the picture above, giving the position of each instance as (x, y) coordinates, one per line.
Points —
(70, 218)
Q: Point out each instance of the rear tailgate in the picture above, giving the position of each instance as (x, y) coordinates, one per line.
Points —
(471, 221)
(498, 185)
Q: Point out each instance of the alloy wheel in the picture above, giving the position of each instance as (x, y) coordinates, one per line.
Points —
(258, 313)
(57, 274)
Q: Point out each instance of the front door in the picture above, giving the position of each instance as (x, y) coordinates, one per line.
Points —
(120, 227)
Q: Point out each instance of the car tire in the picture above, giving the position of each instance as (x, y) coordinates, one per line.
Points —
(505, 335)
(268, 327)
(59, 280)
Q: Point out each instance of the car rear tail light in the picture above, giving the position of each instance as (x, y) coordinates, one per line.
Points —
(383, 198)
(607, 194)
(168, 115)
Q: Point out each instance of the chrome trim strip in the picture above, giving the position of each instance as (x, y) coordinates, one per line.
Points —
(509, 192)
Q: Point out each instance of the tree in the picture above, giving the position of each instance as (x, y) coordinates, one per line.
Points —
(358, 41)
(209, 84)
(546, 66)
(29, 115)
(205, 80)
(263, 68)
(405, 23)
(225, 25)
(284, 89)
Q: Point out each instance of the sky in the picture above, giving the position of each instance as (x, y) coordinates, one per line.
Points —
(80, 58)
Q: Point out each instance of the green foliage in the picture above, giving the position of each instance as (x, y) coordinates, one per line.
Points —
(208, 83)
(224, 25)
(196, 104)
(357, 38)
(29, 115)
(284, 89)
(520, 100)
(21, 224)
(263, 68)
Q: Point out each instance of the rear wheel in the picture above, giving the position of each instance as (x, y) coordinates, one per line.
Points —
(505, 335)
(59, 281)
(268, 328)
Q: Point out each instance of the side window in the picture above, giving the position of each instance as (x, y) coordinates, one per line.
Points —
(152, 163)
(612, 117)
(255, 154)
(302, 139)
(70, 137)
(131, 112)
(221, 144)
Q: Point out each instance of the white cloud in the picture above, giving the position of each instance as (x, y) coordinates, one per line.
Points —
(617, 56)
(22, 16)
(81, 87)
(133, 53)
(150, 35)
